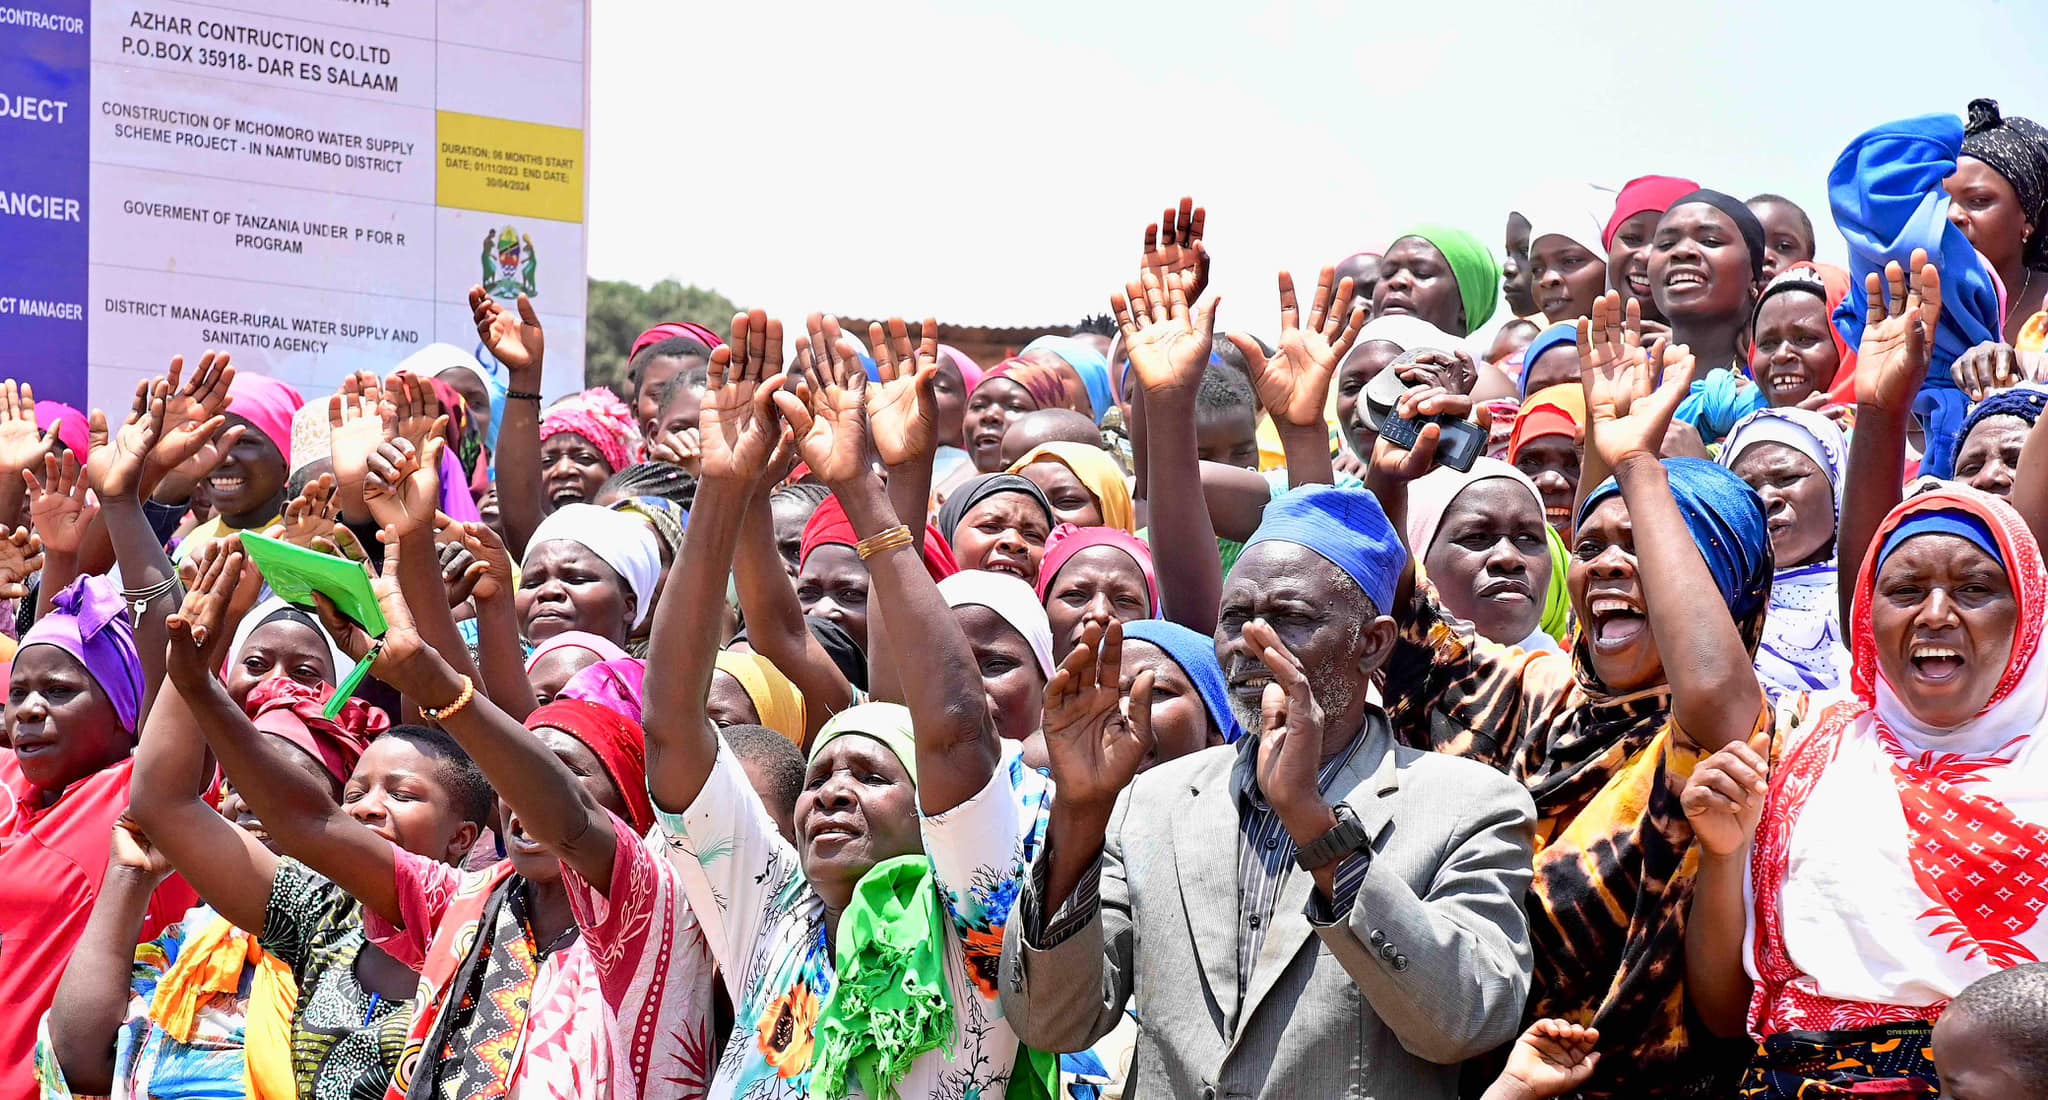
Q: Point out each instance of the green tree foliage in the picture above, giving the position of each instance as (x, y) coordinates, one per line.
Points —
(619, 311)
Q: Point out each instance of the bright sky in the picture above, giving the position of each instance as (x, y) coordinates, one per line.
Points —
(997, 166)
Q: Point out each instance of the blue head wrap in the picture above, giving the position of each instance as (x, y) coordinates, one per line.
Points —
(1726, 519)
(1348, 529)
(1960, 524)
(1088, 363)
(1886, 195)
(1556, 336)
(1196, 656)
(2025, 402)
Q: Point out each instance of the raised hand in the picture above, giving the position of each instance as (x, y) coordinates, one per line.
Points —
(826, 411)
(1724, 799)
(355, 424)
(21, 557)
(903, 412)
(1628, 404)
(736, 427)
(403, 489)
(118, 458)
(416, 411)
(403, 660)
(514, 340)
(1173, 246)
(60, 507)
(1291, 734)
(1898, 333)
(311, 515)
(1551, 1058)
(1167, 343)
(22, 444)
(489, 551)
(1294, 385)
(194, 414)
(202, 625)
(1096, 738)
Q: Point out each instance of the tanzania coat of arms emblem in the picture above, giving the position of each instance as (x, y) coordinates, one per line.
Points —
(508, 264)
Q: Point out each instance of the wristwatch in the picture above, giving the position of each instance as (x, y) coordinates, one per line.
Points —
(1344, 838)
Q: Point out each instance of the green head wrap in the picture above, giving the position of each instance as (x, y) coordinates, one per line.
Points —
(1472, 264)
(888, 723)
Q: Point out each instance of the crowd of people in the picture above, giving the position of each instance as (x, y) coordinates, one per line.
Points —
(1644, 703)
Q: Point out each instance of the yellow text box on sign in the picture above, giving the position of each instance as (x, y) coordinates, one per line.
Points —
(500, 166)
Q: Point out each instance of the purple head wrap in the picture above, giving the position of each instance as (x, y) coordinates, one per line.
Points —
(89, 620)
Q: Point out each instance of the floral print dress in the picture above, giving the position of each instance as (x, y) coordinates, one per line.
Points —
(766, 926)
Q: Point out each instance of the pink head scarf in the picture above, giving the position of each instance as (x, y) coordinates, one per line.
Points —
(617, 684)
(1067, 540)
(267, 404)
(70, 424)
(599, 416)
(970, 371)
(671, 330)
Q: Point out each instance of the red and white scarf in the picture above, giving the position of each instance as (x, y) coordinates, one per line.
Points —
(1896, 863)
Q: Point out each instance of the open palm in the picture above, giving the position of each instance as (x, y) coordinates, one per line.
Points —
(1294, 383)
(1898, 333)
(1631, 392)
(1168, 344)
(903, 413)
(60, 507)
(736, 430)
(1096, 745)
(114, 465)
(1173, 246)
(828, 411)
(403, 488)
(514, 339)
(22, 444)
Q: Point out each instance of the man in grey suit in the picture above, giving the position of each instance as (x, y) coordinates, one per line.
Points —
(1312, 912)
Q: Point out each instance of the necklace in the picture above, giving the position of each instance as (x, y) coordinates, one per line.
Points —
(525, 915)
(2025, 286)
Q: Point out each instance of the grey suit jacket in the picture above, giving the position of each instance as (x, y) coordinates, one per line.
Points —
(1430, 966)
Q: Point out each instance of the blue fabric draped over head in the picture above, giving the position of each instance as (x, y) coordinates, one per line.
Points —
(1347, 528)
(1196, 656)
(1726, 519)
(1962, 525)
(1088, 363)
(2025, 402)
(1562, 334)
(1886, 195)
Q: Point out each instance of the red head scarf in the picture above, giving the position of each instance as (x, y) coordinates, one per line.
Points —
(830, 527)
(1641, 194)
(673, 330)
(290, 710)
(1554, 410)
(615, 740)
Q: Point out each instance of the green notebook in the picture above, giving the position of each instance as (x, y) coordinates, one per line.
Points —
(295, 573)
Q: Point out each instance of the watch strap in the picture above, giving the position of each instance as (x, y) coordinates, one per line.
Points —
(1344, 838)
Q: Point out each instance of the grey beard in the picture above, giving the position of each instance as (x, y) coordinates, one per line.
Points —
(1334, 692)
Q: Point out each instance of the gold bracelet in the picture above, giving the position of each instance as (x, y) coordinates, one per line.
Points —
(883, 542)
(454, 707)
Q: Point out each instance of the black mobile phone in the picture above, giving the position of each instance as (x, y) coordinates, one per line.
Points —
(1460, 444)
